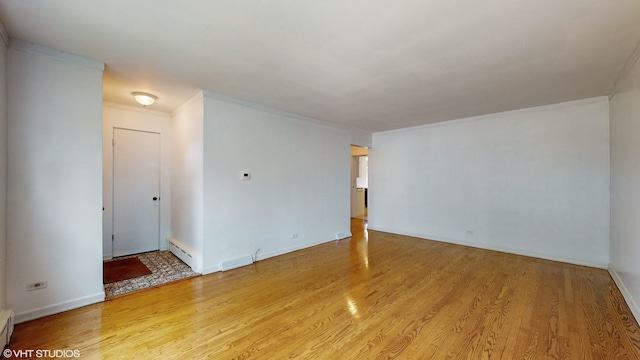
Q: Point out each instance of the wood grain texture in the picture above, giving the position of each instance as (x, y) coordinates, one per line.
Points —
(374, 296)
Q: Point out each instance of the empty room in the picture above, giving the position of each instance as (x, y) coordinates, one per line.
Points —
(319, 179)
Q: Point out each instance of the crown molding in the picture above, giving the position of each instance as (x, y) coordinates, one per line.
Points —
(187, 103)
(113, 105)
(216, 96)
(628, 66)
(561, 105)
(17, 44)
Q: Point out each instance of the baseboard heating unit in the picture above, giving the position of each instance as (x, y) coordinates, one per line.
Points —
(6, 324)
(183, 253)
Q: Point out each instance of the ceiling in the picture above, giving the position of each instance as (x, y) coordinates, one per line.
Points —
(372, 65)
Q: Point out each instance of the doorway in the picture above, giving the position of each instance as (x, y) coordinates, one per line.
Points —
(136, 192)
(359, 182)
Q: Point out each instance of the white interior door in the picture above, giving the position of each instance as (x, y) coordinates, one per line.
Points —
(136, 191)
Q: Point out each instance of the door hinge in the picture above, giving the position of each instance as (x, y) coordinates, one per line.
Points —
(113, 142)
(112, 237)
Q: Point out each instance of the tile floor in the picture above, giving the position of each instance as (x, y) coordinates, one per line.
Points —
(165, 267)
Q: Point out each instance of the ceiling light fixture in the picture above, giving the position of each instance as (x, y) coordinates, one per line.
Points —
(144, 99)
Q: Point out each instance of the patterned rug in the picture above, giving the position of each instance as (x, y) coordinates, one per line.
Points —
(165, 267)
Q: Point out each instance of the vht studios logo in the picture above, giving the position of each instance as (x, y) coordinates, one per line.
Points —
(8, 353)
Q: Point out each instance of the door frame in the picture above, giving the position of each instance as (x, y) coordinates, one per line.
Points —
(113, 192)
(134, 118)
(356, 153)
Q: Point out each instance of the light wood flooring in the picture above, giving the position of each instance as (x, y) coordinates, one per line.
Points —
(371, 296)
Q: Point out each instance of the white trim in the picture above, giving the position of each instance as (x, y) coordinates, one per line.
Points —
(628, 66)
(135, 109)
(498, 115)
(17, 44)
(106, 257)
(4, 35)
(593, 264)
(343, 235)
(236, 263)
(275, 253)
(211, 269)
(635, 310)
(59, 307)
(220, 97)
(267, 255)
(199, 95)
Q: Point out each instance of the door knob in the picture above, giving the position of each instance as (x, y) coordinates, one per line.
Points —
(156, 198)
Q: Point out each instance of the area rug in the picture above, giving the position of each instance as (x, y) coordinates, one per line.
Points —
(123, 269)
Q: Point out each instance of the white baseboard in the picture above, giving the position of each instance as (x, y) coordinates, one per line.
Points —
(270, 254)
(236, 263)
(59, 307)
(211, 269)
(592, 264)
(635, 310)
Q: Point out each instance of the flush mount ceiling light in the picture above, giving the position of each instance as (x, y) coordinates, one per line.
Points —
(144, 99)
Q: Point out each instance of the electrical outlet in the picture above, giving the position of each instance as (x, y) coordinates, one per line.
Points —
(37, 285)
(294, 235)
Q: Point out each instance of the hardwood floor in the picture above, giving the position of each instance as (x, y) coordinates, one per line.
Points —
(375, 296)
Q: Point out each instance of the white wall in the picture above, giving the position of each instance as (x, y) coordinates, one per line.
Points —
(54, 230)
(3, 168)
(300, 174)
(533, 181)
(187, 181)
(134, 118)
(360, 138)
(625, 188)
